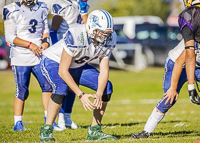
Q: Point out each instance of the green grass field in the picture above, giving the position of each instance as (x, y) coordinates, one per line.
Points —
(135, 95)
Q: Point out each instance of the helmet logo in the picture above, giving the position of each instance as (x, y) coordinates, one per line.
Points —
(95, 20)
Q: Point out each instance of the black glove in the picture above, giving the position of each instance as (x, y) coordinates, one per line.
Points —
(194, 97)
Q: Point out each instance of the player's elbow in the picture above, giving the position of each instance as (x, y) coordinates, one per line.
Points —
(60, 73)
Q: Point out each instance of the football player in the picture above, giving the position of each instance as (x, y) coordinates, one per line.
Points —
(65, 65)
(66, 13)
(189, 23)
(26, 31)
(175, 75)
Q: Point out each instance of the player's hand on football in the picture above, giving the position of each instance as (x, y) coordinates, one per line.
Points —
(35, 49)
(194, 97)
(87, 104)
(44, 46)
(97, 101)
(171, 95)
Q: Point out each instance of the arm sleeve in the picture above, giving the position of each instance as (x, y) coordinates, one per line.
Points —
(187, 33)
(58, 9)
(46, 27)
(45, 18)
(10, 30)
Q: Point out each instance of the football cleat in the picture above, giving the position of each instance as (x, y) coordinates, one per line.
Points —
(46, 133)
(143, 134)
(70, 124)
(19, 126)
(95, 133)
(61, 124)
(55, 126)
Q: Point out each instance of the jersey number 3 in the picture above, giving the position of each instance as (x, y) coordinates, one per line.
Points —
(33, 22)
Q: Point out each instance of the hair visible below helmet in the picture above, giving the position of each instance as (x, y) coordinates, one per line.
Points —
(98, 22)
(28, 3)
(188, 3)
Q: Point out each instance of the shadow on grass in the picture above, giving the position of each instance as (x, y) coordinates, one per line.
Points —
(133, 123)
(115, 124)
(154, 135)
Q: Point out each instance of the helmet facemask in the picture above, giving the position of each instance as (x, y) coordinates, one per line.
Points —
(28, 3)
(101, 36)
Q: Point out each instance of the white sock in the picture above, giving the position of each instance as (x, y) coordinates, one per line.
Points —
(153, 120)
(45, 113)
(17, 118)
(61, 117)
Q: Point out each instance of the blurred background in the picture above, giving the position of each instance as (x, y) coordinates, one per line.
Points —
(146, 31)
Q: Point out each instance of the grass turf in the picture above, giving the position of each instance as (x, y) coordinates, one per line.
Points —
(135, 95)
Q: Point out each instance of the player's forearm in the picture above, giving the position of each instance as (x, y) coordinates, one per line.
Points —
(103, 75)
(66, 76)
(20, 42)
(46, 35)
(190, 65)
(178, 66)
(102, 82)
(56, 21)
(84, 17)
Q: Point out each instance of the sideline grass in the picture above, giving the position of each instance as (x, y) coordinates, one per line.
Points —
(135, 95)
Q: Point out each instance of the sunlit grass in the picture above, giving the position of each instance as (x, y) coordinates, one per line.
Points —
(135, 95)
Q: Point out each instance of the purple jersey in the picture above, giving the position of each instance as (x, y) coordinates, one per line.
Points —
(191, 17)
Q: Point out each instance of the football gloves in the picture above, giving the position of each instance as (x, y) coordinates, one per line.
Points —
(194, 97)
(83, 6)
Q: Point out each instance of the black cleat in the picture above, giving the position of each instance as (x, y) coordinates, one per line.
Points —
(143, 134)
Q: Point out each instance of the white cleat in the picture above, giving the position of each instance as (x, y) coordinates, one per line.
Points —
(56, 127)
(71, 124)
(61, 124)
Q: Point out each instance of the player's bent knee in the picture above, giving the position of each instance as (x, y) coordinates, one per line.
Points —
(59, 99)
(106, 98)
(22, 95)
(46, 88)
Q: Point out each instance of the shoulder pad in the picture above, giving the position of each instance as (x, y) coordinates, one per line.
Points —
(42, 4)
(44, 7)
(59, 5)
(8, 10)
(68, 38)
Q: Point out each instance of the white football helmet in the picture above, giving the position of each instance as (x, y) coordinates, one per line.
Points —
(28, 3)
(99, 25)
(188, 3)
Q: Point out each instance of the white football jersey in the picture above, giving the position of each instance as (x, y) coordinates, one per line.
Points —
(176, 52)
(70, 12)
(78, 45)
(27, 24)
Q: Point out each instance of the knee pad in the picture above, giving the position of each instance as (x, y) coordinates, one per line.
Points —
(59, 99)
(109, 88)
(22, 94)
(106, 98)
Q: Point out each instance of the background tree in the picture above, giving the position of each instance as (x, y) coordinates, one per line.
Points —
(137, 7)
